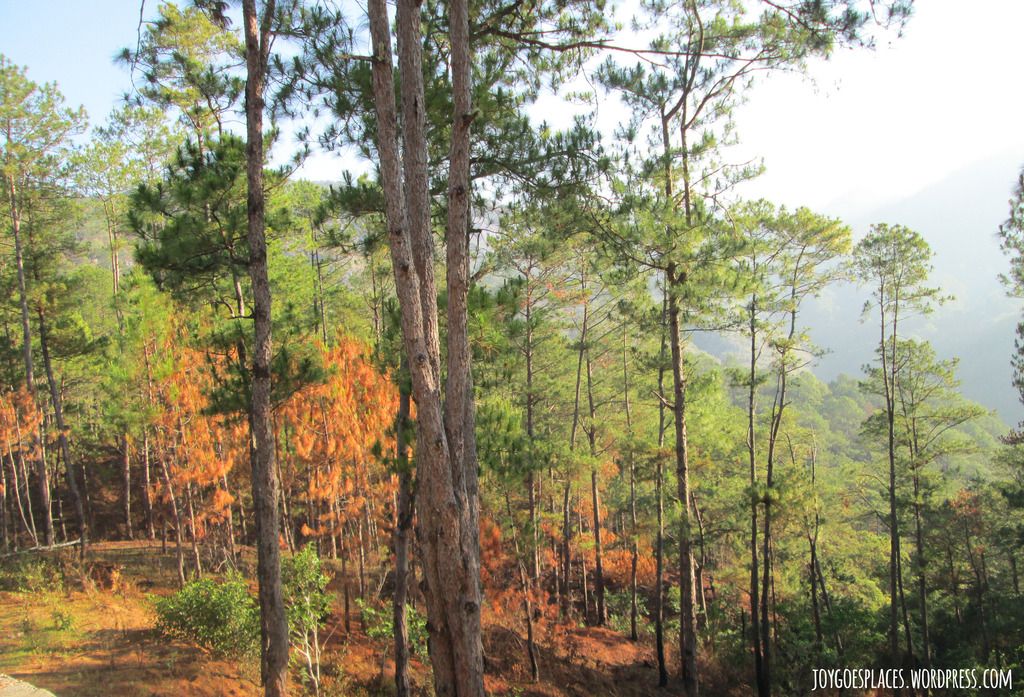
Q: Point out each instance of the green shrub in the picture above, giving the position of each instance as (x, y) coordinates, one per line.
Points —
(620, 608)
(308, 604)
(26, 574)
(305, 596)
(220, 616)
(63, 620)
(379, 624)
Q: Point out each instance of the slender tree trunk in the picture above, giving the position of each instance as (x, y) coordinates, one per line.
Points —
(360, 530)
(177, 521)
(230, 524)
(273, 622)
(524, 585)
(595, 497)
(5, 535)
(583, 562)
(688, 620)
(813, 585)
(21, 496)
(197, 565)
(701, 563)
(531, 484)
(402, 544)
(768, 579)
(980, 585)
(922, 563)
(908, 637)
(566, 601)
(894, 539)
(347, 589)
(147, 495)
(840, 651)
(62, 441)
(286, 517)
(659, 482)
(631, 463)
(659, 581)
(760, 672)
(812, 566)
(126, 485)
(26, 347)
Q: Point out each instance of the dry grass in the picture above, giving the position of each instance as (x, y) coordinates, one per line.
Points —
(95, 637)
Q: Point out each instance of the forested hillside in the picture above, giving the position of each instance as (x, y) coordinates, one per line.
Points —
(451, 426)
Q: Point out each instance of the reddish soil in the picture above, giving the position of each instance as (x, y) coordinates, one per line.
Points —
(96, 637)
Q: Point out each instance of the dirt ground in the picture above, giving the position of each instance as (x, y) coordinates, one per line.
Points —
(95, 637)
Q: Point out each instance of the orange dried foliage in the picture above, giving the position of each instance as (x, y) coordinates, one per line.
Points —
(330, 435)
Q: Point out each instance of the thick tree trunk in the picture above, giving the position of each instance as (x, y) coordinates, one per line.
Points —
(273, 622)
(446, 465)
(459, 407)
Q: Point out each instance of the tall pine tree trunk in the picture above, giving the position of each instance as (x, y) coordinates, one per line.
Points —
(922, 565)
(402, 545)
(26, 347)
(446, 453)
(147, 494)
(659, 485)
(595, 500)
(126, 485)
(62, 441)
(273, 622)
(688, 619)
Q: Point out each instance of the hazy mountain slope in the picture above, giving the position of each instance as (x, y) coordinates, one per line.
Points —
(959, 217)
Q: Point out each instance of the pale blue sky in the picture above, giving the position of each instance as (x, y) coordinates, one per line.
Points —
(72, 42)
(924, 131)
(898, 119)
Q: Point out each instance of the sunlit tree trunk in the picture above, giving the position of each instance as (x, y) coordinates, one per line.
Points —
(446, 452)
(273, 622)
(688, 620)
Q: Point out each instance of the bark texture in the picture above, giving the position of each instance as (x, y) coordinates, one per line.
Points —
(273, 622)
(446, 452)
